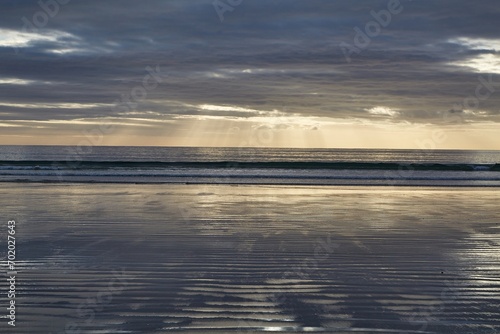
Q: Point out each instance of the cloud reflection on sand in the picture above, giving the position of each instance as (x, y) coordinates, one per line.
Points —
(223, 259)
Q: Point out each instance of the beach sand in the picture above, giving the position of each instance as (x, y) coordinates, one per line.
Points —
(125, 258)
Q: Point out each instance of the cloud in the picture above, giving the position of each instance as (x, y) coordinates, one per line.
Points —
(382, 111)
(279, 55)
(17, 39)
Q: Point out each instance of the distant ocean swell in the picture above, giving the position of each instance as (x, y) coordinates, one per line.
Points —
(234, 172)
(104, 165)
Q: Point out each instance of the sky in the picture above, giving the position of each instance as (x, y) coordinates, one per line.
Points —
(411, 74)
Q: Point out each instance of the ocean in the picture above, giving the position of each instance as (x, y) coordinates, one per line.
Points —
(249, 166)
(206, 240)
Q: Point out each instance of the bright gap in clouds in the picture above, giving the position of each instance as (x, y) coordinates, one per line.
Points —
(383, 111)
(14, 38)
(15, 81)
(483, 63)
(57, 42)
(211, 107)
(478, 43)
(486, 63)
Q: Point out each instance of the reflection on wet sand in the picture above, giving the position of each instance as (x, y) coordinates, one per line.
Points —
(222, 259)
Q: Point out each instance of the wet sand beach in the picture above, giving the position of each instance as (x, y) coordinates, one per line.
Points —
(125, 258)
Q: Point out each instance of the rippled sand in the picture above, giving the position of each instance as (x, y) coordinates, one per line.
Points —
(225, 259)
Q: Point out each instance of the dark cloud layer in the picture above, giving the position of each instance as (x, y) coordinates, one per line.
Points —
(265, 55)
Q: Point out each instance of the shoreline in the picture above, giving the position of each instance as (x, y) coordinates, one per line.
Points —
(259, 183)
